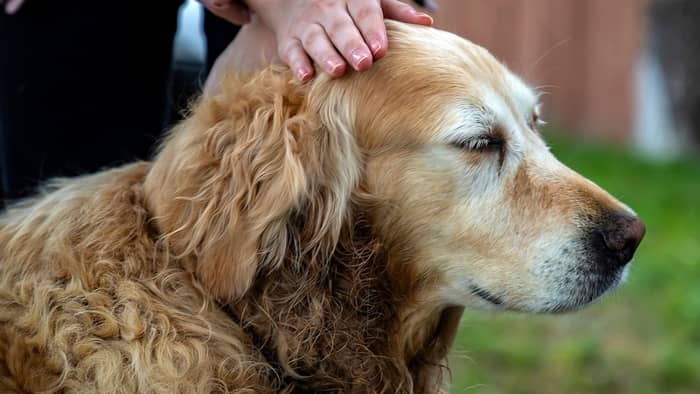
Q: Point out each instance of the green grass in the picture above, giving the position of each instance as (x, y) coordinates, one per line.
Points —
(643, 338)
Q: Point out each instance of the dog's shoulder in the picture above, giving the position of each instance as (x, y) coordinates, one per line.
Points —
(85, 285)
(70, 217)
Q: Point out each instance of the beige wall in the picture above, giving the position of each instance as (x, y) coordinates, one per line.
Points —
(582, 52)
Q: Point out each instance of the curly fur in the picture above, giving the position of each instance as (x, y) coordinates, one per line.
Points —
(241, 260)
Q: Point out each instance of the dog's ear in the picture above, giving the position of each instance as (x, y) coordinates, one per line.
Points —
(251, 175)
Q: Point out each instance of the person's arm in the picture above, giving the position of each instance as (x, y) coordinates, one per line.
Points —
(254, 47)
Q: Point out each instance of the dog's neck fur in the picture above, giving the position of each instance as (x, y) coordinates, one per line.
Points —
(351, 322)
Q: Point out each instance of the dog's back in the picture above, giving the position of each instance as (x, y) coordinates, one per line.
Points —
(80, 309)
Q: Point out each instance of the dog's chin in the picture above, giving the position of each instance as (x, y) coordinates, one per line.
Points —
(561, 299)
(584, 292)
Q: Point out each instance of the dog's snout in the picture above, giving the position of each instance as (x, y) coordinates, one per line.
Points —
(621, 235)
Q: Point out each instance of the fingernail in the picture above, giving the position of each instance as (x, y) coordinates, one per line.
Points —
(422, 15)
(360, 58)
(375, 46)
(333, 66)
(303, 74)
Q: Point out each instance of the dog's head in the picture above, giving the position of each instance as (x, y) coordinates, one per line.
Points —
(438, 140)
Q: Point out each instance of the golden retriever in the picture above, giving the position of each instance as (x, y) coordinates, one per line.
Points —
(299, 238)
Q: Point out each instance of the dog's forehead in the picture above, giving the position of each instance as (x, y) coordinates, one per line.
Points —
(487, 93)
(525, 99)
(431, 83)
(508, 102)
(495, 93)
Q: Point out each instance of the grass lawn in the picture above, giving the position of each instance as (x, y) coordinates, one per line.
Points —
(643, 338)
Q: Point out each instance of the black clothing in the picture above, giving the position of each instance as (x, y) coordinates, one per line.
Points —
(82, 87)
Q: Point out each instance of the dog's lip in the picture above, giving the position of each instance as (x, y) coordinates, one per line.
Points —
(485, 295)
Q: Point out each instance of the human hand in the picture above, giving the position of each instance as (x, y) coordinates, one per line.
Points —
(11, 6)
(332, 33)
(233, 11)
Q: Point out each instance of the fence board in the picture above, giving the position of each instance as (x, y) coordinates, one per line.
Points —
(583, 53)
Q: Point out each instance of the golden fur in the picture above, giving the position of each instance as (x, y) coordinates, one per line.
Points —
(286, 238)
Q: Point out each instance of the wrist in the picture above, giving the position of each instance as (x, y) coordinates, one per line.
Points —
(265, 9)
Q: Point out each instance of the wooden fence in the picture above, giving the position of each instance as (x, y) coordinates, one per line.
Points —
(583, 53)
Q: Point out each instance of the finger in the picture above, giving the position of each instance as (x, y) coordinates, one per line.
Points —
(228, 10)
(12, 6)
(400, 11)
(345, 36)
(292, 53)
(317, 44)
(369, 19)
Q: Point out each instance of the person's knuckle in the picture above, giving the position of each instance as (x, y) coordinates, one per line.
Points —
(285, 45)
(365, 13)
(353, 45)
(325, 5)
(337, 25)
(312, 35)
(286, 50)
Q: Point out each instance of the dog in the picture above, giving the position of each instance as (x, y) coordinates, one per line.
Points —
(304, 238)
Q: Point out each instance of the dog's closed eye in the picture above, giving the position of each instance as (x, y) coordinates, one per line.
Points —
(479, 143)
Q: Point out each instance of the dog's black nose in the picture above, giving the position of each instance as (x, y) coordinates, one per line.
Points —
(621, 236)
